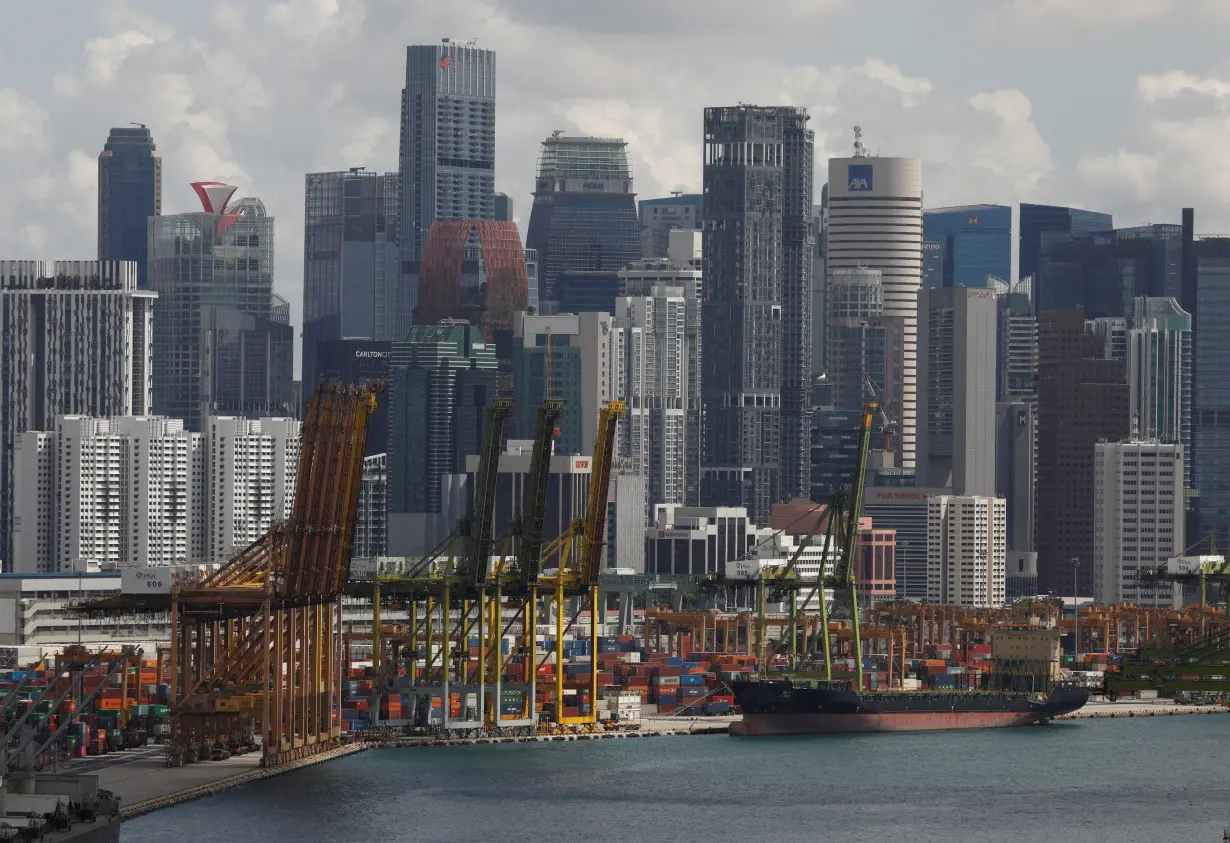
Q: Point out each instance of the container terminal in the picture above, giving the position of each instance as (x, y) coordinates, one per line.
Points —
(506, 635)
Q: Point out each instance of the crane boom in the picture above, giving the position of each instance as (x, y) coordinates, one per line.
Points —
(481, 539)
(849, 553)
(529, 546)
(593, 534)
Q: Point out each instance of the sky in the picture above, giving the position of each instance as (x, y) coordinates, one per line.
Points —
(1120, 106)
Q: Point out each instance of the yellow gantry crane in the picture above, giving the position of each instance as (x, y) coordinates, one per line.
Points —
(578, 556)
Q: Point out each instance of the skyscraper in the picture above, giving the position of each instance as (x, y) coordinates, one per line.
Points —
(584, 213)
(976, 243)
(1159, 367)
(222, 341)
(566, 357)
(1082, 397)
(350, 261)
(76, 340)
(655, 369)
(1041, 227)
(661, 216)
(129, 193)
(1211, 388)
(503, 205)
(875, 221)
(1103, 272)
(442, 377)
(447, 158)
(756, 312)
(1017, 353)
(956, 389)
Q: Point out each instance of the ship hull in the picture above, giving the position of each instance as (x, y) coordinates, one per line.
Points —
(781, 708)
(800, 723)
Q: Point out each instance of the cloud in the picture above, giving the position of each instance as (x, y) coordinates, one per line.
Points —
(1067, 20)
(260, 94)
(21, 122)
(1172, 155)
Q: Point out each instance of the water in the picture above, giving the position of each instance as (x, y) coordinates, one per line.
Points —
(1152, 780)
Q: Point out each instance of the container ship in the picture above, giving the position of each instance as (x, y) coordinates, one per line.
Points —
(782, 707)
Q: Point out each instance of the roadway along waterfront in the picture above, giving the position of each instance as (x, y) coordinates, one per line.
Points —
(1152, 780)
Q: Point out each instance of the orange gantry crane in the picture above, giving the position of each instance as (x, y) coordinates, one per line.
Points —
(254, 644)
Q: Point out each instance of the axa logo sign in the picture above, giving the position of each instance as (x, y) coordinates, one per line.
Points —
(859, 177)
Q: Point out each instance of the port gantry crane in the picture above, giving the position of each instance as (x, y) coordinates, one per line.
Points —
(577, 554)
(256, 638)
(841, 526)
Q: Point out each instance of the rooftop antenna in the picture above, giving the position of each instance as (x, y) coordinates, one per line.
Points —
(860, 151)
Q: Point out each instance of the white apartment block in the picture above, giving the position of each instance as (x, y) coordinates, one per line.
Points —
(75, 339)
(100, 494)
(1138, 501)
(967, 539)
(655, 369)
(249, 479)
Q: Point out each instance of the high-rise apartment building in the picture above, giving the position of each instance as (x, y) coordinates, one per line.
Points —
(447, 155)
(350, 261)
(1138, 500)
(655, 369)
(222, 340)
(875, 221)
(94, 492)
(371, 537)
(1083, 397)
(584, 213)
(974, 243)
(76, 339)
(1159, 368)
(966, 551)
(956, 389)
(659, 217)
(142, 490)
(249, 479)
(756, 313)
(566, 357)
(129, 193)
(441, 379)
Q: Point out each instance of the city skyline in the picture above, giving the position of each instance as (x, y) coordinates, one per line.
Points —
(1016, 133)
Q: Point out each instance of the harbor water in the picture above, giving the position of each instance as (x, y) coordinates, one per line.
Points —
(1151, 780)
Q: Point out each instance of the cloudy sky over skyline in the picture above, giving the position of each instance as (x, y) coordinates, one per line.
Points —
(1113, 105)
